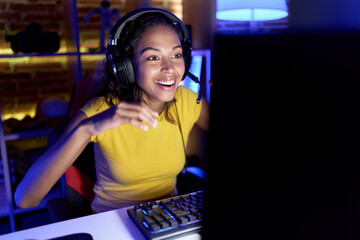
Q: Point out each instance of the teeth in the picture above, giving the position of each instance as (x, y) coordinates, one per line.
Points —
(167, 83)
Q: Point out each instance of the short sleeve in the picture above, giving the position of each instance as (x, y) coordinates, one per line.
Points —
(93, 107)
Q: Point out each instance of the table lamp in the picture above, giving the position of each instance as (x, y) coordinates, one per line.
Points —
(250, 10)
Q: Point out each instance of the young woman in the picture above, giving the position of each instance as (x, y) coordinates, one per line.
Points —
(139, 130)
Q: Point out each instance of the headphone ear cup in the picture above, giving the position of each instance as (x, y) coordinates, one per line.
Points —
(122, 68)
(127, 75)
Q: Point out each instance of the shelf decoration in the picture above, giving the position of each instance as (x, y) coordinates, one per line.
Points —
(34, 40)
(106, 17)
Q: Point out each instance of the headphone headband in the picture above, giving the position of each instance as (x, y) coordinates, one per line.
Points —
(116, 31)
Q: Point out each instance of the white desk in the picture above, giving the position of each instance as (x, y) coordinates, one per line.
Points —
(110, 225)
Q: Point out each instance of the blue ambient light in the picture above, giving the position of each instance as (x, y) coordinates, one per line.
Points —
(251, 10)
(258, 14)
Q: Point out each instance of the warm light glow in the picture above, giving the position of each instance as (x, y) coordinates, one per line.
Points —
(9, 51)
(6, 51)
(14, 109)
(8, 114)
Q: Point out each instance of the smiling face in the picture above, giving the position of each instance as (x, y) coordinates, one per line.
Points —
(159, 65)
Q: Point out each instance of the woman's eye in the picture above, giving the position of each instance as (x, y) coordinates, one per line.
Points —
(152, 58)
(178, 56)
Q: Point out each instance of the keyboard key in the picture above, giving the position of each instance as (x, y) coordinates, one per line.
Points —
(154, 227)
(173, 223)
(186, 199)
(179, 213)
(149, 211)
(137, 209)
(166, 200)
(191, 217)
(168, 217)
(164, 225)
(183, 220)
(148, 220)
(198, 215)
(184, 208)
(185, 204)
(158, 218)
(177, 200)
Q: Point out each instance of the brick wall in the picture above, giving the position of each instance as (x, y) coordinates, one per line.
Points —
(27, 81)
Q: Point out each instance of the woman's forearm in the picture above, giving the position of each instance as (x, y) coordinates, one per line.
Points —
(47, 170)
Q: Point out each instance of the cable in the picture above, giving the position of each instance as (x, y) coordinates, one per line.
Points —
(183, 142)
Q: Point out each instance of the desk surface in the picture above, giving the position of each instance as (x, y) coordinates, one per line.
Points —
(114, 224)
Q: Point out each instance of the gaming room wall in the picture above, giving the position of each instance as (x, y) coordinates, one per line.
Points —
(36, 79)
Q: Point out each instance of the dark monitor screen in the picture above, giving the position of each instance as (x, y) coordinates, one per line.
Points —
(284, 136)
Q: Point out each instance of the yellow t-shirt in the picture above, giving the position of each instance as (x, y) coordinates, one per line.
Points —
(135, 166)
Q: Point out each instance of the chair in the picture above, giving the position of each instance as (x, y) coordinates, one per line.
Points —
(78, 181)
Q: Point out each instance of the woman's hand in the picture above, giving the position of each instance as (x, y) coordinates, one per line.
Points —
(122, 113)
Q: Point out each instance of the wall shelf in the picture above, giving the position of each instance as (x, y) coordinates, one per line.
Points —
(37, 55)
(27, 134)
(7, 206)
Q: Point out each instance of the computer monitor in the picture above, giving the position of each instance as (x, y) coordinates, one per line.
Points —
(200, 68)
(284, 137)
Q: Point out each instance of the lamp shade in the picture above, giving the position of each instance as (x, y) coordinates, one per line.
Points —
(251, 10)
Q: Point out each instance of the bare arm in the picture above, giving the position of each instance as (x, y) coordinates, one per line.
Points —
(204, 118)
(47, 170)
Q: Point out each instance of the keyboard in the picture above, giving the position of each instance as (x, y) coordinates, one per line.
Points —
(169, 218)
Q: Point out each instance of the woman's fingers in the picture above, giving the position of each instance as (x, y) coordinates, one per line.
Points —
(138, 124)
(136, 114)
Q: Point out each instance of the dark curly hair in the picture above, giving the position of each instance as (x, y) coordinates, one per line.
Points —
(132, 32)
